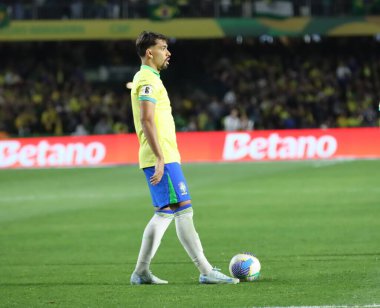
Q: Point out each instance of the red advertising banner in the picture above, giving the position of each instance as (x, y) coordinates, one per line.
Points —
(194, 147)
(68, 151)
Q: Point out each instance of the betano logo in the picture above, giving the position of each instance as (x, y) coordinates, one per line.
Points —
(239, 146)
(44, 154)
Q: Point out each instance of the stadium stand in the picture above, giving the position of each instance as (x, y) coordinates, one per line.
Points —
(114, 9)
(234, 83)
(67, 89)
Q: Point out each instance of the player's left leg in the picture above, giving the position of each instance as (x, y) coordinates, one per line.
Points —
(189, 238)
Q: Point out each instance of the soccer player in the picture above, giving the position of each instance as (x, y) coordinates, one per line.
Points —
(160, 160)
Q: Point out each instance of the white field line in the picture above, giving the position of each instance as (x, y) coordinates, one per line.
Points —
(331, 306)
(135, 165)
(113, 196)
(331, 162)
(45, 197)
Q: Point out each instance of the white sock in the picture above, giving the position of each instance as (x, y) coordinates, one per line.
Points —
(190, 239)
(153, 233)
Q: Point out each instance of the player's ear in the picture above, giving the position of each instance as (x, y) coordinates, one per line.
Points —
(149, 53)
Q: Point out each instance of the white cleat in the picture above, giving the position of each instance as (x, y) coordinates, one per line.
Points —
(216, 277)
(146, 278)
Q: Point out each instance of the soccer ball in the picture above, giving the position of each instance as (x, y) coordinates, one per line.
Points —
(245, 266)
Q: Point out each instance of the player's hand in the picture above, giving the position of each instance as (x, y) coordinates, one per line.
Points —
(158, 172)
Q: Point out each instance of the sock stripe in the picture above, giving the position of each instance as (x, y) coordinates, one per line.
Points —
(165, 213)
(183, 209)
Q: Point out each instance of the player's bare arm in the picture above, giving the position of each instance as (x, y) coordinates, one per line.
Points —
(147, 110)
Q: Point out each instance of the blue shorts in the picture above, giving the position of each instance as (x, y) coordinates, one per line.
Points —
(172, 187)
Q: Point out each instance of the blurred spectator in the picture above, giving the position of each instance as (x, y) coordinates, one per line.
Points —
(99, 9)
(343, 73)
(25, 121)
(51, 121)
(113, 9)
(245, 122)
(225, 6)
(232, 121)
(103, 126)
(216, 111)
(17, 10)
(247, 8)
(230, 98)
(80, 130)
(76, 9)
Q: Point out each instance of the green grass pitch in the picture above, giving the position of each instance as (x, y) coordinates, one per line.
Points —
(70, 237)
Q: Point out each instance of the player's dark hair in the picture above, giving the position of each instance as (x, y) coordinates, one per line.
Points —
(147, 39)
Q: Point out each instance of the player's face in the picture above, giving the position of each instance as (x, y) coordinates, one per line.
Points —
(160, 55)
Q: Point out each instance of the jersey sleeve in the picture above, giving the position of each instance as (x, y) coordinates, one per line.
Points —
(147, 92)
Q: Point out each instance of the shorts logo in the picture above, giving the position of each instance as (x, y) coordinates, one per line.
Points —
(182, 188)
(146, 90)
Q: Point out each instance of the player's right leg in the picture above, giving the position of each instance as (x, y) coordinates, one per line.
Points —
(154, 231)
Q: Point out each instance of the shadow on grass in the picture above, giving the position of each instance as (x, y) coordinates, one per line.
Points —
(57, 284)
(189, 281)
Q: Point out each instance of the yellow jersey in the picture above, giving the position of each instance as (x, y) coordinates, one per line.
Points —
(147, 86)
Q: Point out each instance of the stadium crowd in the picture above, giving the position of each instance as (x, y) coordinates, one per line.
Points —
(113, 9)
(64, 88)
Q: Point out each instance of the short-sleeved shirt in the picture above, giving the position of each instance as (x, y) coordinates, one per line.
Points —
(148, 86)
